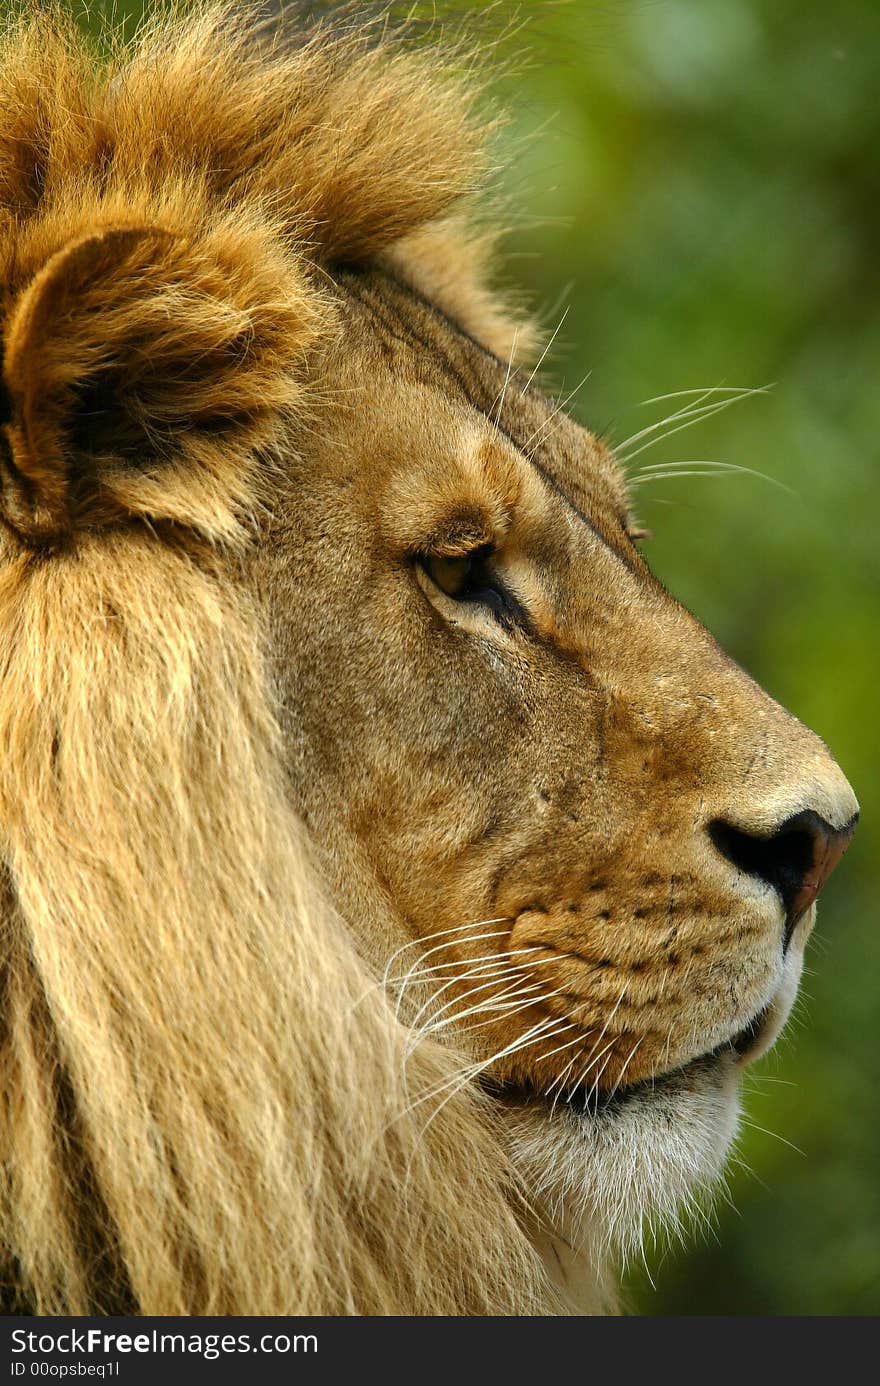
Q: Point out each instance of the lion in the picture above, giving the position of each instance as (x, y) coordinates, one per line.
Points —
(395, 878)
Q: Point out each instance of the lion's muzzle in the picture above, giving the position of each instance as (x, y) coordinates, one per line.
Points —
(796, 859)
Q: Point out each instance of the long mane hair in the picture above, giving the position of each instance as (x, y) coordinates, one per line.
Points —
(208, 1101)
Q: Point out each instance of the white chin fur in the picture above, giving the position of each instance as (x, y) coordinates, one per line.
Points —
(602, 1179)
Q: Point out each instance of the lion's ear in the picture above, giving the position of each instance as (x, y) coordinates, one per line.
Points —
(142, 370)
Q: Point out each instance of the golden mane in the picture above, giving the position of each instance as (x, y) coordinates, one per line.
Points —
(207, 1102)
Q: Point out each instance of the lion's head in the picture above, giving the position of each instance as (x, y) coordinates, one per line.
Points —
(396, 878)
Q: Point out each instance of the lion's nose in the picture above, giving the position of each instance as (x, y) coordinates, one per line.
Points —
(796, 858)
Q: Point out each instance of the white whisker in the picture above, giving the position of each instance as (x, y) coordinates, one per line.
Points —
(433, 999)
(499, 399)
(694, 407)
(689, 417)
(485, 958)
(703, 390)
(662, 471)
(560, 1048)
(517, 972)
(435, 1023)
(747, 1121)
(590, 1063)
(438, 948)
(511, 1008)
(561, 1080)
(626, 1063)
(539, 432)
(540, 360)
(544, 1029)
(440, 933)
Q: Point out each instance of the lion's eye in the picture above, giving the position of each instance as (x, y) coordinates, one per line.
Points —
(453, 576)
(469, 578)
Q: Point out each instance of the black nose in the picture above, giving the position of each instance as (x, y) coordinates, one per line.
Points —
(796, 859)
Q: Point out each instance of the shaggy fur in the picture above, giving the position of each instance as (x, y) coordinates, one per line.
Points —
(180, 1007)
(281, 814)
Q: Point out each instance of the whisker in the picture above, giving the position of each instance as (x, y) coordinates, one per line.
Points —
(626, 1063)
(510, 1008)
(602, 1033)
(557, 410)
(483, 979)
(689, 417)
(433, 998)
(436, 1024)
(768, 1078)
(616, 1008)
(518, 975)
(694, 408)
(553, 308)
(438, 933)
(594, 1088)
(591, 1062)
(540, 360)
(747, 1121)
(704, 391)
(560, 1082)
(579, 1039)
(747, 1169)
(544, 1029)
(382, 983)
(712, 463)
(485, 958)
(438, 948)
(518, 972)
(662, 471)
(503, 392)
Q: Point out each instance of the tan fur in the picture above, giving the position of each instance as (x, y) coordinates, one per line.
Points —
(296, 850)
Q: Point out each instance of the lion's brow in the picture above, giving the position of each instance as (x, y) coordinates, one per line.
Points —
(408, 317)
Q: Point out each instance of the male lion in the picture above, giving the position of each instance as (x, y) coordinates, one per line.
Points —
(395, 878)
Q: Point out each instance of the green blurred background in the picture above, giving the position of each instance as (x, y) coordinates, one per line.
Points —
(703, 201)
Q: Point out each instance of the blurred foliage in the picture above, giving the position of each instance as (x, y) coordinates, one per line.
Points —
(702, 201)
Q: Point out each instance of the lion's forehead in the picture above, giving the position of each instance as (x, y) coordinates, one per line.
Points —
(411, 338)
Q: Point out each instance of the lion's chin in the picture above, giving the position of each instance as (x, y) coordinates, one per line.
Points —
(605, 1169)
(603, 1174)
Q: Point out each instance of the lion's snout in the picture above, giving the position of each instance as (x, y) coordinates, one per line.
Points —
(795, 859)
